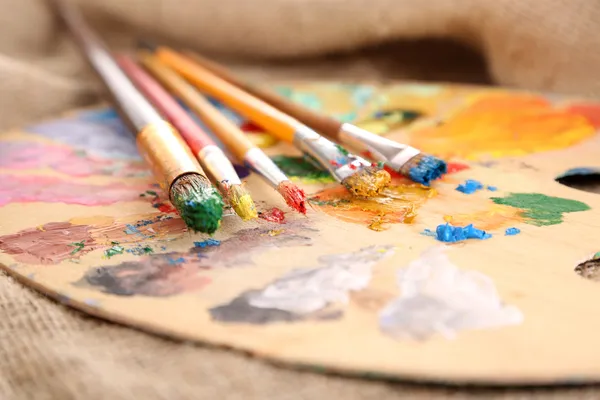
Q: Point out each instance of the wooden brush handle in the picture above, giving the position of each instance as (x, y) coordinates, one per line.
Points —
(274, 121)
(323, 124)
(227, 132)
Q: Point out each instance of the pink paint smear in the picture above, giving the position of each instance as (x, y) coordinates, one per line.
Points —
(23, 189)
(20, 155)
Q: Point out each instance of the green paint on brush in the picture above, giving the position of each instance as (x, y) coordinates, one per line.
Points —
(114, 250)
(199, 204)
(300, 168)
(596, 256)
(539, 209)
(342, 150)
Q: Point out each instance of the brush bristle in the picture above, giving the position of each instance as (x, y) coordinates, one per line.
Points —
(198, 203)
(241, 202)
(367, 182)
(424, 168)
(293, 196)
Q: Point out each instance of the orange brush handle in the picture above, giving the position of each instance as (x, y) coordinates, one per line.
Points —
(235, 140)
(274, 121)
(323, 124)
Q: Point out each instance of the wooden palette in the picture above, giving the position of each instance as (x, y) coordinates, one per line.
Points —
(358, 287)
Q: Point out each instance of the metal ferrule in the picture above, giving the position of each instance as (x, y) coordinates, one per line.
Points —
(390, 152)
(216, 163)
(339, 163)
(166, 153)
(261, 164)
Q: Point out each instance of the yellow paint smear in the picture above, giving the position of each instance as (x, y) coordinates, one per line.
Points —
(501, 125)
(495, 217)
(397, 204)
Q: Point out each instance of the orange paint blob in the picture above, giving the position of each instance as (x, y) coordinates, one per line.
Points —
(501, 125)
(495, 217)
(397, 204)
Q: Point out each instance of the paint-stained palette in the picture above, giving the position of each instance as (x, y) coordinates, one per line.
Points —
(480, 278)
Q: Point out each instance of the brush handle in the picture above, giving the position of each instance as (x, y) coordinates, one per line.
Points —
(327, 126)
(276, 122)
(194, 136)
(227, 132)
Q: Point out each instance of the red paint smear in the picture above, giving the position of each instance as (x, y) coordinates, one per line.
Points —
(273, 215)
(454, 167)
(588, 110)
(249, 126)
(20, 189)
(166, 208)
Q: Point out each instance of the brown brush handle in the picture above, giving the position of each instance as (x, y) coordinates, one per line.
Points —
(324, 125)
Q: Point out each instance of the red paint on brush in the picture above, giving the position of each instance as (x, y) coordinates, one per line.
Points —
(454, 167)
(293, 196)
(273, 215)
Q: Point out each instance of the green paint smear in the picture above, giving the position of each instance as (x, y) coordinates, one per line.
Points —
(596, 256)
(114, 250)
(78, 247)
(299, 167)
(541, 210)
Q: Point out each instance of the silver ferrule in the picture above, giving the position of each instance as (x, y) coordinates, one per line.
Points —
(337, 161)
(216, 163)
(261, 164)
(390, 152)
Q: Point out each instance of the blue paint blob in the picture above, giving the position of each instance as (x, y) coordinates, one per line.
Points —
(175, 261)
(428, 169)
(451, 234)
(470, 186)
(492, 188)
(512, 231)
(207, 243)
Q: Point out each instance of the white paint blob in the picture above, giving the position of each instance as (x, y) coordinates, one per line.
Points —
(438, 298)
(303, 291)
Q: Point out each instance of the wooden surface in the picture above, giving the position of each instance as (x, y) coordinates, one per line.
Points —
(335, 329)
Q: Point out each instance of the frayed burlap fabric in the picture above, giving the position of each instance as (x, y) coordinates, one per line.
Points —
(50, 352)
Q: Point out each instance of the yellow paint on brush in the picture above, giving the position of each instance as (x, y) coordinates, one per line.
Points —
(242, 203)
(367, 183)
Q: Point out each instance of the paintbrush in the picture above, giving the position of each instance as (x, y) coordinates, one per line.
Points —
(236, 141)
(211, 157)
(407, 160)
(358, 175)
(173, 164)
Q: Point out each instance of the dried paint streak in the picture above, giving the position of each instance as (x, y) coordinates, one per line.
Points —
(494, 217)
(273, 215)
(539, 209)
(397, 204)
(305, 293)
(454, 167)
(589, 269)
(93, 132)
(55, 242)
(299, 169)
(174, 273)
(208, 243)
(19, 155)
(30, 188)
(503, 125)
(439, 298)
(114, 250)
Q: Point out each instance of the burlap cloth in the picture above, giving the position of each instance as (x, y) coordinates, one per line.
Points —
(50, 352)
